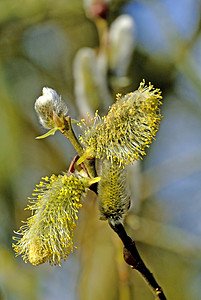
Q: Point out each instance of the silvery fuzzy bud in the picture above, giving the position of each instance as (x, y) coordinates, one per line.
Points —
(122, 42)
(91, 87)
(86, 87)
(51, 109)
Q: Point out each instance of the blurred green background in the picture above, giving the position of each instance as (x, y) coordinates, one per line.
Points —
(61, 45)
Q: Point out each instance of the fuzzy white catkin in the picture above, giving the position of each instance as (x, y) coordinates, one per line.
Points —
(121, 44)
(86, 87)
(47, 105)
(91, 87)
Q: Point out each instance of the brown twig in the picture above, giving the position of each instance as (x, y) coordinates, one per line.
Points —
(133, 258)
(74, 167)
(68, 132)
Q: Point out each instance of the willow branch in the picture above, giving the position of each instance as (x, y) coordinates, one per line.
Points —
(68, 132)
(131, 254)
(133, 258)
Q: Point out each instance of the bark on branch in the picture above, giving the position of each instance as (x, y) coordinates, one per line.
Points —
(133, 258)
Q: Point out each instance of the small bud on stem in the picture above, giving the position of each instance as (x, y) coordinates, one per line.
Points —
(51, 111)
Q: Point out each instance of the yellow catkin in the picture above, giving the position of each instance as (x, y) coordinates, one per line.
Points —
(36, 252)
(48, 233)
(128, 128)
(113, 192)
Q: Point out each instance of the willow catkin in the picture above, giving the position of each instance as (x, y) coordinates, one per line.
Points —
(113, 192)
(50, 106)
(128, 128)
(48, 234)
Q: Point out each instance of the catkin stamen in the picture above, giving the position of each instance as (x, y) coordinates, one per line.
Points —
(48, 233)
(113, 192)
(128, 129)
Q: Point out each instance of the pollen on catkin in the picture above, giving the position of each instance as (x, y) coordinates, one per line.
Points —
(47, 235)
(113, 192)
(128, 128)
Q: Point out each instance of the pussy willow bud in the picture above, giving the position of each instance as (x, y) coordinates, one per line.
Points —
(86, 83)
(129, 127)
(121, 44)
(113, 192)
(47, 234)
(91, 87)
(51, 110)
